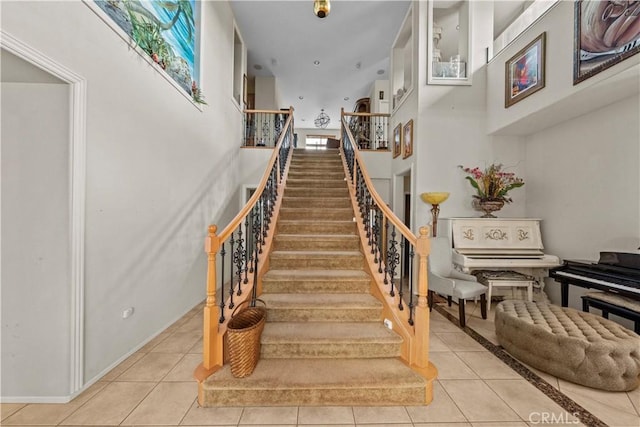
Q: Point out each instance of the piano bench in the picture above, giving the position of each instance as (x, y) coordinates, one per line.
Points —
(608, 302)
(570, 344)
(504, 279)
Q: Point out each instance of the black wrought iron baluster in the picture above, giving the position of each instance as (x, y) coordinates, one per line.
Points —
(393, 258)
(403, 254)
(247, 249)
(256, 233)
(374, 233)
(223, 252)
(411, 305)
(238, 258)
(368, 218)
(263, 214)
(386, 253)
(254, 240)
(232, 255)
(380, 245)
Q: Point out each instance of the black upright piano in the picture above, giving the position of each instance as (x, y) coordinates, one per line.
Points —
(617, 272)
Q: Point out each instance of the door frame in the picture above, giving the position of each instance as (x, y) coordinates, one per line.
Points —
(77, 191)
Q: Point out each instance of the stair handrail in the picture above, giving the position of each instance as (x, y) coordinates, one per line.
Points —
(374, 221)
(258, 211)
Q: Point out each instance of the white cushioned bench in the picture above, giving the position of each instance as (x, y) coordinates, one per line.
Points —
(579, 347)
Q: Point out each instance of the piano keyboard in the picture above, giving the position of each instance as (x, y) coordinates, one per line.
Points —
(631, 289)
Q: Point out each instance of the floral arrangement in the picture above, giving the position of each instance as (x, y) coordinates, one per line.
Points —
(492, 183)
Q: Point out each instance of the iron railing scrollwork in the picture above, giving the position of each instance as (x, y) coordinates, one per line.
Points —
(392, 246)
(237, 252)
(262, 128)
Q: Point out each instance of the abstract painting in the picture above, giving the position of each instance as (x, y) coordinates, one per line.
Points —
(524, 72)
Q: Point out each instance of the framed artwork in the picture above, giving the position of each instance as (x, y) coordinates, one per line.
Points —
(164, 30)
(408, 139)
(524, 72)
(606, 33)
(397, 140)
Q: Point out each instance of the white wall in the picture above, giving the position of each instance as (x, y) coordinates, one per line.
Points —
(159, 170)
(584, 181)
(36, 274)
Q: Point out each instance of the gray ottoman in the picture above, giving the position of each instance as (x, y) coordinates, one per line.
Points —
(569, 344)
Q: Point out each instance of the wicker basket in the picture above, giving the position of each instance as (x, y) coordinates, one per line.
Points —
(243, 336)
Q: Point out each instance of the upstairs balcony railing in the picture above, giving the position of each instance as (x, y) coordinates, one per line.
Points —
(262, 128)
(397, 258)
(237, 255)
(370, 131)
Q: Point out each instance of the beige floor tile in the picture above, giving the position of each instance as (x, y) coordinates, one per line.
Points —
(90, 392)
(123, 366)
(155, 341)
(613, 408)
(325, 415)
(179, 342)
(381, 414)
(553, 381)
(505, 424)
(477, 401)
(268, 425)
(450, 366)
(527, 401)
(112, 405)
(332, 425)
(386, 425)
(439, 324)
(459, 341)
(269, 415)
(152, 367)
(194, 324)
(442, 425)
(7, 409)
(634, 397)
(441, 409)
(436, 344)
(198, 416)
(197, 347)
(183, 371)
(486, 365)
(166, 404)
(41, 414)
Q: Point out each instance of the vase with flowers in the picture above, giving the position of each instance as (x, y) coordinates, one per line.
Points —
(492, 186)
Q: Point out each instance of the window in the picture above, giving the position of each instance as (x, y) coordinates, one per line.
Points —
(317, 142)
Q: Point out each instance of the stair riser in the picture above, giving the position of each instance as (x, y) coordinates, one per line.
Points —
(316, 286)
(317, 245)
(328, 350)
(307, 202)
(317, 167)
(317, 396)
(332, 215)
(319, 183)
(316, 192)
(316, 175)
(316, 227)
(328, 314)
(305, 263)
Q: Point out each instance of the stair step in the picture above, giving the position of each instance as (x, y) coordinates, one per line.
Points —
(317, 166)
(296, 382)
(295, 226)
(318, 281)
(317, 192)
(316, 242)
(315, 174)
(322, 307)
(337, 214)
(325, 340)
(316, 202)
(316, 260)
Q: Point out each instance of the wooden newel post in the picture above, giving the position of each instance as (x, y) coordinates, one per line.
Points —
(420, 354)
(212, 340)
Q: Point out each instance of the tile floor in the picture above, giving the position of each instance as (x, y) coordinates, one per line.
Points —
(474, 388)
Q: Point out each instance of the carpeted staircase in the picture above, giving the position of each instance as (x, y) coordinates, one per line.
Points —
(324, 342)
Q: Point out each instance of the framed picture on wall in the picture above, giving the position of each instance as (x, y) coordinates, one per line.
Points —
(606, 33)
(408, 139)
(397, 140)
(524, 72)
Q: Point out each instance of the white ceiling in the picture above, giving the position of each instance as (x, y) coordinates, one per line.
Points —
(352, 45)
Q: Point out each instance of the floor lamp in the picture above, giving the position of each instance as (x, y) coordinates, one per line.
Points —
(435, 199)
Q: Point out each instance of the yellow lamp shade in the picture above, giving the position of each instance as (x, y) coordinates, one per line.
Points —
(434, 198)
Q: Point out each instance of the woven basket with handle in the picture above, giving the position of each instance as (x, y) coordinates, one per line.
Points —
(243, 336)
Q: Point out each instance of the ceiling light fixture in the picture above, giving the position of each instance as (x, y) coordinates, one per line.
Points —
(322, 120)
(316, 62)
(380, 72)
(258, 67)
(301, 97)
(321, 8)
(346, 98)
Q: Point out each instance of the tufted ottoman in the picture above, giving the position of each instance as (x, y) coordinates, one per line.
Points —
(572, 345)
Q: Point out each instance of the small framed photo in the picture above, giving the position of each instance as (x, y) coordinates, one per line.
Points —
(524, 72)
(408, 139)
(606, 33)
(397, 140)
